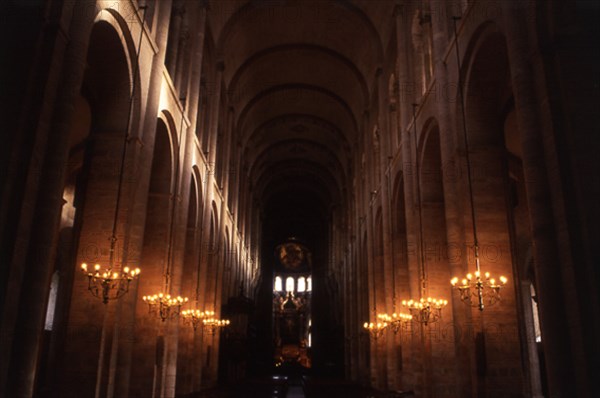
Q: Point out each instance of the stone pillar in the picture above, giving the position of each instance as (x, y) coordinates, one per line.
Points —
(225, 177)
(406, 98)
(561, 347)
(134, 236)
(193, 99)
(385, 196)
(181, 195)
(196, 72)
(38, 259)
(455, 233)
(210, 185)
(206, 301)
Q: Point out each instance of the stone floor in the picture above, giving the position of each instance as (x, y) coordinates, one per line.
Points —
(296, 386)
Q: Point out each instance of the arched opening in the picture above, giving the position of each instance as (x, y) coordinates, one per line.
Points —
(401, 247)
(91, 192)
(435, 261)
(187, 346)
(149, 348)
(212, 301)
(488, 97)
(292, 305)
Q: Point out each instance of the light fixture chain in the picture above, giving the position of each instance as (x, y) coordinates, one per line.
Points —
(466, 141)
(480, 286)
(419, 207)
(113, 238)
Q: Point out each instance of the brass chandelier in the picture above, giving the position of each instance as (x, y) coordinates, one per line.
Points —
(109, 285)
(195, 317)
(477, 289)
(396, 321)
(375, 329)
(165, 306)
(213, 324)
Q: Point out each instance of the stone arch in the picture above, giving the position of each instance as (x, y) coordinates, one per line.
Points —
(433, 213)
(173, 135)
(352, 10)
(212, 258)
(192, 235)
(488, 108)
(155, 257)
(198, 185)
(98, 134)
(486, 86)
(118, 23)
(189, 288)
(434, 249)
(487, 96)
(430, 170)
(212, 301)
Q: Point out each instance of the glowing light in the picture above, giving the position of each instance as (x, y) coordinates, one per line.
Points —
(278, 284)
(289, 284)
(301, 284)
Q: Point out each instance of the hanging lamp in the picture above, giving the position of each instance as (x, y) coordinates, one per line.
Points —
(476, 289)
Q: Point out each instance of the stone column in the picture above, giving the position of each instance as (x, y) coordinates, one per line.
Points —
(38, 258)
(206, 301)
(564, 373)
(210, 183)
(134, 236)
(225, 176)
(193, 99)
(455, 234)
(406, 98)
(384, 192)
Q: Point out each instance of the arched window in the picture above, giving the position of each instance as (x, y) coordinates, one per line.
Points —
(49, 323)
(536, 317)
(289, 284)
(278, 284)
(301, 284)
(309, 284)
